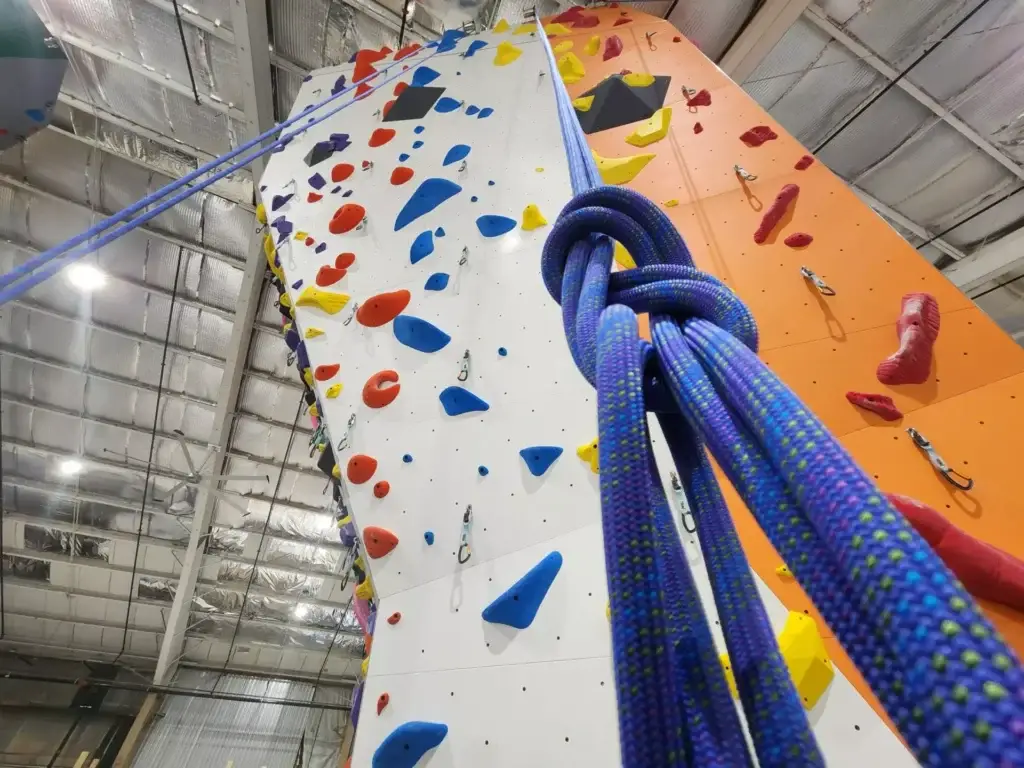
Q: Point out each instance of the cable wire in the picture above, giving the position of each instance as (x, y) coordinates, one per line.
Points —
(184, 48)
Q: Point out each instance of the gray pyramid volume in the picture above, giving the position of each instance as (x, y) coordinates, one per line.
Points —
(616, 103)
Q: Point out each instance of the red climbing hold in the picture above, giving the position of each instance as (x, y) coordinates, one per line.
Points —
(568, 15)
(344, 260)
(341, 171)
(585, 22)
(798, 240)
(400, 86)
(612, 47)
(365, 59)
(620, 22)
(677, 39)
(309, 241)
(698, 128)
(394, 618)
(381, 136)
(804, 163)
(613, 5)
(382, 308)
(382, 701)
(409, 50)
(360, 468)
(758, 135)
(367, 164)
(346, 218)
(700, 99)
(386, 108)
(625, 72)
(376, 396)
(328, 276)
(381, 489)
(917, 329)
(314, 197)
(776, 212)
(325, 372)
(400, 175)
(378, 541)
(386, 50)
(880, 404)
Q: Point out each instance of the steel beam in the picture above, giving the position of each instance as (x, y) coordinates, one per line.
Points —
(252, 48)
(903, 221)
(988, 262)
(760, 36)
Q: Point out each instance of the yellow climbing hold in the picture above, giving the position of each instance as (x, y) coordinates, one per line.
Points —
(312, 333)
(365, 590)
(336, 472)
(533, 218)
(539, 169)
(506, 53)
(344, 521)
(301, 235)
(556, 29)
(623, 257)
(365, 666)
(783, 572)
(329, 301)
(314, 411)
(261, 214)
(620, 170)
(651, 130)
(729, 679)
(307, 376)
(608, 610)
(671, 203)
(285, 300)
(588, 452)
(638, 79)
(571, 68)
(501, 26)
(523, 29)
(271, 254)
(563, 47)
(583, 103)
(593, 45)
(333, 391)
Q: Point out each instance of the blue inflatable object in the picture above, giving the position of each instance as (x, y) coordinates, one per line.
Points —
(485, 112)
(417, 144)
(457, 401)
(430, 194)
(424, 76)
(518, 606)
(422, 246)
(475, 46)
(456, 153)
(539, 458)
(494, 226)
(436, 282)
(419, 334)
(429, 538)
(418, 129)
(447, 104)
(410, 741)
(472, 109)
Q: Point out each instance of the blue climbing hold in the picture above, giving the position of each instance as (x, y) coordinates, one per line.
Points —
(483, 471)
(518, 606)
(493, 226)
(449, 39)
(456, 153)
(429, 538)
(295, 286)
(490, 183)
(321, 248)
(424, 76)
(407, 458)
(473, 199)
(539, 458)
(457, 401)
(419, 334)
(405, 745)
(447, 104)
(472, 109)
(475, 46)
(418, 129)
(307, 78)
(439, 232)
(422, 246)
(339, 85)
(436, 282)
(316, 181)
(36, 114)
(403, 157)
(485, 112)
(430, 194)
(336, 190)
(417, 144)
(347, 193)
(502, 352)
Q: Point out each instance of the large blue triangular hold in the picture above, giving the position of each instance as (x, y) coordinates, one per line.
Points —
(539, 458)
(410, 741)
(457, 401)
(518, 606)
(430, 194)
(418, 334)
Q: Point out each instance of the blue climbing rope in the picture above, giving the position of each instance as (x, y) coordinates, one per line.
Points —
(951, 685)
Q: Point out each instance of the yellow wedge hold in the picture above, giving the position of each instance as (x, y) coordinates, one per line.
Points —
(593, 45)
(312, 333)
(333, 391)
(533, 218)
(623, 257)
(524, 29)
(563, 47)
(583, 103)
(783, 572)
(365, 590)
(588, 452)
(620, 170)
(556, 29)
(307, 376)
(653, 129)
(671, 203)
(506, 53)
(365, 668)
(336, 472)
(314, 411)
(501, 26)
(329, 301)
(571, 68)
(261, 214)
(271, 253)
(301, 236)
(638, 79)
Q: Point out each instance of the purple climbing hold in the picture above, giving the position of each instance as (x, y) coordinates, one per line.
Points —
(422, 247)
(307, 78)
(339, 85)
(494, 226)
(473, 199)
(418, 129)
(456, 153)
(279, 200)
(347, 193)
(417, 144)
(472, 109)
(403, 157)
(321, 248)
(447, 104)
(430, 194)
(485, 112)
(490, 183)
(336, 190)
(475, 46)
(296, 285)
(424, 76)
(316, 181)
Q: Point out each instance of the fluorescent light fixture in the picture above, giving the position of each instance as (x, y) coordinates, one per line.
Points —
(70, 467)
(301, 610)
(86, 277)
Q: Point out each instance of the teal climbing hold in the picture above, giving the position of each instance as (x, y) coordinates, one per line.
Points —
(419, 334)
(472, 109)
(518, 606)
(436, 282)
(429, 538)
(457, 401)
(430, 194)
(403, 157)
(422, 246)
(494, 226)
(485, 112)
(424, 76)
(417, 144)
(418, 129)
(475, 46)
(439, 232)
(447, 104)
(539, 458)
(410, 741)
(456, 153)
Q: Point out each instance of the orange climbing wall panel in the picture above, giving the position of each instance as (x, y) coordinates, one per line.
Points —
(972, 407)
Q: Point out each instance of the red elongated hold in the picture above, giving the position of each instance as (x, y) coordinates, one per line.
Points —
(382, 308)
(613, 5)
(378, 541)
(917, 329)
(880, 404)
(386, 50)
(382, 701)
(400, 175)
(394, 618)
(586, 22)
(309, 241)
(346, 218)
(776, 211)
(326, 372)
(612, 47)
(758, 135)
(400, 86)
(360, 468)
(341, 171)
(804, 163)
(698, 128)
(386, 108)
(365, 59)
(344, 260)
(408, 50)
(327, 275)
(620, 22)
(701, 98)
(314, 197)
(381, 489)
(381, 136)
(677, 39)
(798, 240)
(376, 396)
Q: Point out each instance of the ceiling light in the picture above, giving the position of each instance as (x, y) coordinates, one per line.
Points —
(70, 467)
(86, 277)
(301, 610)
(323, 522)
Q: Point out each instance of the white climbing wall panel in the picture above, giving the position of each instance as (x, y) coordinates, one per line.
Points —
(544, 695)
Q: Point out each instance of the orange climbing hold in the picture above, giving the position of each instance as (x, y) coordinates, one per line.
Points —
(376, 396)
(394, 618)
(382, 701)
(387, 108)
(328, 275)
(326, 372)
(378, 541)
(381, 136)
(381, 489)
(347, 218)
(360, 468)
(400, 175)
(382, 308)
(344, 260)
(365, 59)
(341, 171)
(314, 197)
(409, 50)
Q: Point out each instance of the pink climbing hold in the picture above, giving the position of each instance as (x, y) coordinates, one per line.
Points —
(381, 136)
(798, 240)
(879, 404)
(612, 47)
(804, 163)
(758, 135)
(776, 211)
(917, 330)
(700, 99)
(698, 128)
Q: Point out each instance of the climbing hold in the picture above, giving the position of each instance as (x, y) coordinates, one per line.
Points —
(506, 53)
(917, 329)
(518, 606)
(419, 334)
(417, 144)
(653, 130)
(413, 103)
(798, 240)
(494, 226)
(539, 458)
(623, 257)
(457, 401)
(381, 136)
(418, 129)
(367, 165)
(882, 405)
(320, 248)
(382, 308)
(376, 396)
(328, 301)
(698, 128)
(326, 372)
(593, 45)
(484, 113)
(806, 658)
(308, 241)
(316, 181)
(804, 163)
(403, 157)
(612, 47)
(430, 194)
(472, 109)
(344, 260)
(563, 47)
(583, 103)
(407, 458)
(786, 197)
(382, 701)
(638, 79)
(428, 536)
(589, 453)
(279, 200)
(758, 135)
(783, 572)
(360, 468)
(501, 26)
(571, 68)
(436, 282)
(456, 153)
(386, 109)
(474, 46)
(671, 203)
(328, 275)
(400, 175)
(448, 40)
(261, 213)
(473, 199)
(341, 171)
(364, 69)
(394, 618)
(523, 29)
(533, 218)
(422, 246)
(408, 50)
(378, 541)
(620, 22)
(490, 183)
(346, 218)
(364, 592)
(483, 471)
(381, 489)
(554, 28)
(446, 104)
(502, 352)
(399, 87)
(333, 391)
(620, 170)
(312, 333)
(439, 232)
(405, 745)
(700, 99)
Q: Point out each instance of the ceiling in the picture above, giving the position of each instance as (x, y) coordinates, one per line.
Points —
(184, 336)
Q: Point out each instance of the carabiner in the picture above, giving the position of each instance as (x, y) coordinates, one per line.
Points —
(465, 256)
(343, 443)
(467, 521)
(949, 474)
(689, 524)
(464, 367)
(820, 284)
(743, 173)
